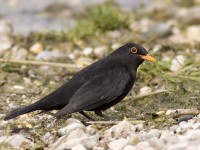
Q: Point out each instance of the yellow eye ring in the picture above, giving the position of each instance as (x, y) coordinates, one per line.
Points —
(133, 50)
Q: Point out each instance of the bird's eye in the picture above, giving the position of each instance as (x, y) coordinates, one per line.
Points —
(133, 50)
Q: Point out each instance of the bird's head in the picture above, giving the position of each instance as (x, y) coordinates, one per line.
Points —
(133, 54)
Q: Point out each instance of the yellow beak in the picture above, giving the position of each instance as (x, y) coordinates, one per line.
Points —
(148, 57)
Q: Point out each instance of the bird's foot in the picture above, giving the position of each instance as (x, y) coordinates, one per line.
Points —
(99, 113)
(84, 114)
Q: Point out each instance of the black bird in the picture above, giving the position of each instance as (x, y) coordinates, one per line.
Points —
(96, 87)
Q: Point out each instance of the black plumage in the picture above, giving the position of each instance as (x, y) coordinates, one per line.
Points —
(96, 87)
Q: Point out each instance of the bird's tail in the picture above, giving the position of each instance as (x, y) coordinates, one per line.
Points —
(24, 110)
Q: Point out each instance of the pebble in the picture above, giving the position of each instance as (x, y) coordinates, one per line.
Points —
(68, 141)
(87, 51)
(91, 141)
(145, 90)
(134, 139)
(129, 147)
(17, 141)
(118, 144)
(153, 133)
(50, 55)
(189, 16)
(193, 33)
(72, 125)
(101, 51)
(19, 53)
(121, 130)
(177, 63)
(78, 147)
(156, 143)
(36, 48)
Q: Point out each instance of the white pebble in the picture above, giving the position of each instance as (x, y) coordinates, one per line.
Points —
(78, 147)
(101, 51)
(118, 144)
(87, 51)
(153, 133)
(145, 90)
(177, 63)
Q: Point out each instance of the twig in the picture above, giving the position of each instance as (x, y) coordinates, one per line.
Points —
(41, 63)
(115, 122)
(146, 95)
(180, 112)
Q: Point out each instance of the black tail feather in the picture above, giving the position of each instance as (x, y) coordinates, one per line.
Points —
(24, 110)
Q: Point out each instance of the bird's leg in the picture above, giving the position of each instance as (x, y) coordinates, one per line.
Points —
(84, 114)
(99, 113)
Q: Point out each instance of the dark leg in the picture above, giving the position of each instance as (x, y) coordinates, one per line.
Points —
(99, 113)
(84, 114)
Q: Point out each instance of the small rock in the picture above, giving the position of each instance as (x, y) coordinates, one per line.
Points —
(18, 53)
(193, 33)
(17, 141)
(50, 56)
(101, 51)
(90, 129)
(47, 136)
(72, 125)
(68, 141)
(78, 147)
(115, 46)
(91, 141)
(156, 143)
(153, 133)
(87, 51)
(139, 127)
(174, 128)
(189, 16)
(98, 148)
(170, 139)
(118, 144)
(129, 147)
(122, 130)
(193, 135)
(145, 90)
(159, 30)
(178, 146)
(19, 87)
(143, 146)
(83, 61)
(114, 34)
(177, 63)
(134, 139)
(196, 125)
(36, 48)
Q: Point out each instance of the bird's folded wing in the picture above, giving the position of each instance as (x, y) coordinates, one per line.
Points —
(99, 90)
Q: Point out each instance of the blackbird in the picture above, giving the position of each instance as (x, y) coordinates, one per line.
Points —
(96, 87)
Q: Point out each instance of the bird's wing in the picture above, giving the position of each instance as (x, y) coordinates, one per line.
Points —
(98, 90)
